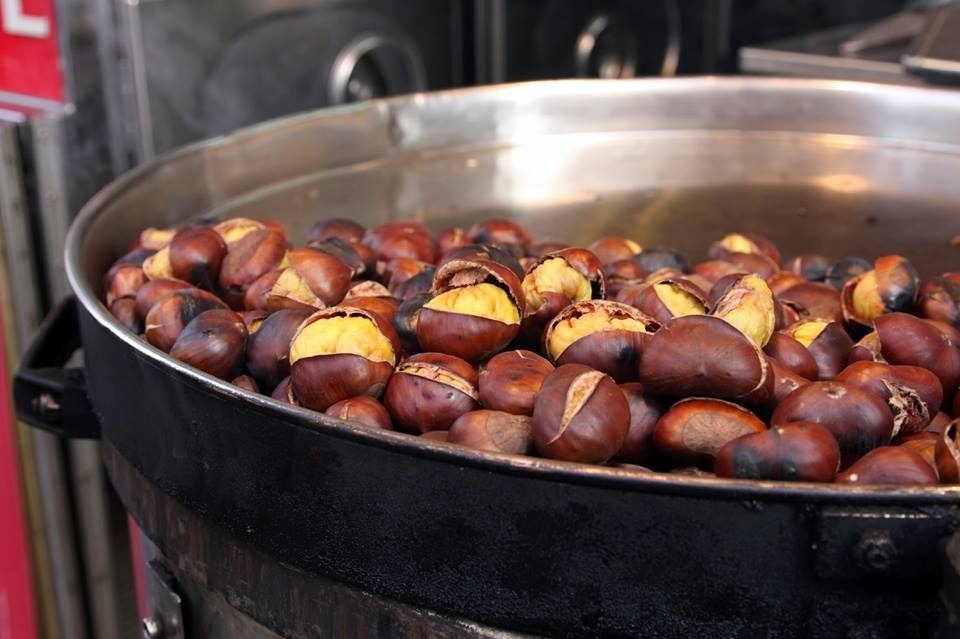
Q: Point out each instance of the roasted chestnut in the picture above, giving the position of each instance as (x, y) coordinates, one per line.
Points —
(811, 266)
(475, 311)
(214, 341)
(349, 231)
(895, 465)
(510, 381)
(645, 412)
(793, 355)
(694, 429)
(665, 299)
(313, 280)
(859, 420)
(429, 391)
(580, 415)
(195, 254)
(246, 383)
(814, 301)
(891, 285)
(255, 253)
(171, 313)
(361, 410)
(795, 451)
(747, 243)
(604, 335)
(828, 343)
(747, 305)
(557, 279)
(948, 453)
(268, 348)
(501, 232)
(938, 298)
(493, 430)
(699, 355)
(400, 239)
(913, 394)
(906, 339)
(341, 352)
(612, 248)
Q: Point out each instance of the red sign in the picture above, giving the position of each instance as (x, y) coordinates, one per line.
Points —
(29, 52)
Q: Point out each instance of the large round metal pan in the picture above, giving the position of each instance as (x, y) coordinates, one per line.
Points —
(526, 543)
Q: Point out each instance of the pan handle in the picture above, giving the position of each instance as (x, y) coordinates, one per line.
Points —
(46, 395)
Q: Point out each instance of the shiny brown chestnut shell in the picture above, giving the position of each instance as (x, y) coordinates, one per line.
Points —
(795, 451)
(925, 445)
(828, 342)
(475, 311)
(346, 252)
(866, 349)
(510, 381)
(913, 394)
(494, 431)
(814, 301)
(448, 239)
(429, 391)
(171, 313)
(124, 309)
(400, 239)
(214, 341)
(152, 291)
(361, 410)
(254, 254)
(246, 383)
(812, 266)
(749, 243)
(196, 254)
(890, 465)
(314, 279)
(792, 354)
(938, 298)
(906, 339)
(255, 297)
(859, 420)
(383, 305)
(698, 355)
(604, 335)
(123, 280)
(580, 415)
(612, 248)
(785, 381)
(341, 352)
(645, 412)
(347, 230)
(693, 430)
(500, 231)
(268, 348)
(784, 280)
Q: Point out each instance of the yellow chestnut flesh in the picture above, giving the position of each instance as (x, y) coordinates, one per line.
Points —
(573, 328)
(480, 300)
(748, 306)
(351, 334)
(555, 275)
(806, 332)
(678, 301)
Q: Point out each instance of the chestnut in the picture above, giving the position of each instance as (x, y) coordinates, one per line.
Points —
(795, 451)
(196, 253)
(123, 280)
(155, 238)
(361, 410)
(814, 301)
(906, 339)
(755, 263)
(501, 232)
(604, 335)
(891, 285)
(341, 352)
(475, 311)
(866, 349)
(255, 253)
(792, 354)
(403, 287)
(510, 381)
(158, 266)
(895, 465)
(124, 309)
(268, 348)
(246, 382)
(715, 270)
(448, 239)
(938, 298)
(645, 412)
(400, 239)
(234, 229)
(748, 243)
(557, 279)
(693, 430)
(429, 391)
(699, 355)
(947, 453)
(313, 280)
(346, 252)
(492, 252)
(913, 394)
(747, 305)
(256, 297)
(169, 315)
(785, 381)
(494, 431)
(214, 341)
(612, 248)
(652, 259)
(384, 305)
(845, 269)
(925, 445)
(405, 321)
(828, 342)
(349, 231)
(811, 266)
(284, 393)
(435, 435)
(858, 419)
(783, 281)
(580, 415)
(665, 299)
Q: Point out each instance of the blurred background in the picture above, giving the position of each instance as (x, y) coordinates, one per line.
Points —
(92, 88)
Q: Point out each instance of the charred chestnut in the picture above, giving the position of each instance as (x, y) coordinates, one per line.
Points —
(795, 451)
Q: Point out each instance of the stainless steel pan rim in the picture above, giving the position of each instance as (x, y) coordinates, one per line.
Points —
(561, 471)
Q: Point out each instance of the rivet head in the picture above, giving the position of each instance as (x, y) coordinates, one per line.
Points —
(876, 551)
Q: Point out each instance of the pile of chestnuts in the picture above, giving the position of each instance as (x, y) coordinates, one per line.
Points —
(743, 365)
